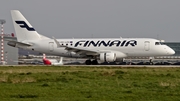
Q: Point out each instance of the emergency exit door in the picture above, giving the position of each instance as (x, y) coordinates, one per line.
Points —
(51, 46)
(146, 45)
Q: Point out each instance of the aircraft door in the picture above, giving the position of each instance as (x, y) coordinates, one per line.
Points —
(146, 45)
(51, 46)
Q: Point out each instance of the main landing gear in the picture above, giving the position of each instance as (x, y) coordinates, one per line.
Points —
(93, 62)
(151, 60)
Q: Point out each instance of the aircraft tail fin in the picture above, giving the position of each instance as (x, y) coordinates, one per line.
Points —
(44, 56)
(46, 61)
(24, 30)
(61, 60)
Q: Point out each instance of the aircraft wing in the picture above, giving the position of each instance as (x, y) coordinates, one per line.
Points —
(80, 51)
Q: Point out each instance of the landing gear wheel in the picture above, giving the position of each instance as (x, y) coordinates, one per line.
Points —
(151, 62)
(88, 62)
(94, 62)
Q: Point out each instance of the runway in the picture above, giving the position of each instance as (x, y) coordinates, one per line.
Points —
(118, 66)
(152, 66)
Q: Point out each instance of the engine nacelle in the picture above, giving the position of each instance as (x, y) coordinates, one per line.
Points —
(107, 57)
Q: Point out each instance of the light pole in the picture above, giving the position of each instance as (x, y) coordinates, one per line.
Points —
(2, 41)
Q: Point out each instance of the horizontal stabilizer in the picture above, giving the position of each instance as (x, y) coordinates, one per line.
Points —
(15, 43)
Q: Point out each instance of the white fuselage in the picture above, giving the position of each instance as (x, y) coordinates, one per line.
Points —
(128, 46)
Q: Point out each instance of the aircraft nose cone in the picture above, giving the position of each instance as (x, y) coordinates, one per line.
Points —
(171, 52)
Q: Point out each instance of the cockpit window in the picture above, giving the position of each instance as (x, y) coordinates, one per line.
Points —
(163, 43)
(157, 43)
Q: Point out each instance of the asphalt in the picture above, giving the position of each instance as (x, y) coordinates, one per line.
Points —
(151, 66)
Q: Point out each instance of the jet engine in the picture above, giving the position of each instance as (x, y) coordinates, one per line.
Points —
(107, 57)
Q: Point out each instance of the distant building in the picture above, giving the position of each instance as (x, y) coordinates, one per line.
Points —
(175, 46)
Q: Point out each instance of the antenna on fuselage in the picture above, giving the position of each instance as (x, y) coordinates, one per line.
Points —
(158, 36)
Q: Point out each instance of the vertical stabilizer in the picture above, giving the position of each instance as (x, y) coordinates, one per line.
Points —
(44, 56)
(24, 30)
(61, 61)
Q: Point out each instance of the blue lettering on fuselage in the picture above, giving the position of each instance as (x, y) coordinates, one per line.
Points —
(93, 43)
(104, 43)
(117, 42)
(79, 43)
(109, 43)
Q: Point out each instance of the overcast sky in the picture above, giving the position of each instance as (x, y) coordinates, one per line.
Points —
(98, 18)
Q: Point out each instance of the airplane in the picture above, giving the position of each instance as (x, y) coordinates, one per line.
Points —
(92, 49)
(52, 61)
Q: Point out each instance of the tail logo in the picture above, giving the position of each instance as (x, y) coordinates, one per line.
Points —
(23, 24)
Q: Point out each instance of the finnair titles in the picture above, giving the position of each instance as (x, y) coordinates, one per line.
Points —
(110, 43)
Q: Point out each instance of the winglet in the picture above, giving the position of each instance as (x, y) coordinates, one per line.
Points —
(58, 45)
